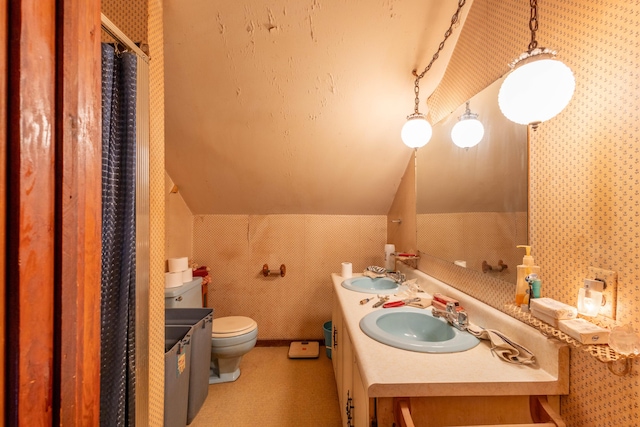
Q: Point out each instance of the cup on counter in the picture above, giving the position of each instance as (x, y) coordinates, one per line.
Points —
(347, 270)
(390, 257)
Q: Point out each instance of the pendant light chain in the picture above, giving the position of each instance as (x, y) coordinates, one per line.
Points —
(454, 20)
(533, 24)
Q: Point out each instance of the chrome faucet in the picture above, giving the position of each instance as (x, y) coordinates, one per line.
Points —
(397, 277)
(458, 319)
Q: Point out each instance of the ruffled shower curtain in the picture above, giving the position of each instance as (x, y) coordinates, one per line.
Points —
(117, 382)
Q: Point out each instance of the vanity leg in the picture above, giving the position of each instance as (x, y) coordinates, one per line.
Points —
(541, 411)
(402, 412)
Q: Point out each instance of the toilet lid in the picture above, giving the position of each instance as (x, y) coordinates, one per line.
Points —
(231, 326)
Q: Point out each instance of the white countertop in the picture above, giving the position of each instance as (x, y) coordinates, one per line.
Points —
(387, 371)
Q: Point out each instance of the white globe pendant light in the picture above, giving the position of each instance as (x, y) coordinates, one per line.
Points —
(539, 86)
(468, 132)
(417, 131)
(536, 90)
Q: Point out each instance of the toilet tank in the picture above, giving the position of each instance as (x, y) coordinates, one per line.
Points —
(189, 295)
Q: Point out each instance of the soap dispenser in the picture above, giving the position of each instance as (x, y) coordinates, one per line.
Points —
(527, 267)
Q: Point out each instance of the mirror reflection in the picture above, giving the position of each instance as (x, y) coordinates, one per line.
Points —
(472, 202)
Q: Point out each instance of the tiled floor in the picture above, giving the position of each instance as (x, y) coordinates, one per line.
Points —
(274, 390)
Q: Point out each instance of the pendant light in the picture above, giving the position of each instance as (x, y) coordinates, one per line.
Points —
(417, 131)
(468, 132)
(539, 86)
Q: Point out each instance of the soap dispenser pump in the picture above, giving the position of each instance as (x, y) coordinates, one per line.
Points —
(523, 270)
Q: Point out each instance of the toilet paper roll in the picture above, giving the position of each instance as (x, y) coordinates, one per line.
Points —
(187, 275)
(347, 270)
(460, 263)
(178, 265)
(172, 279)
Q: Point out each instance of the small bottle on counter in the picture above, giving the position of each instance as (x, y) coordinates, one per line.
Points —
(523, 270)
(535, 288)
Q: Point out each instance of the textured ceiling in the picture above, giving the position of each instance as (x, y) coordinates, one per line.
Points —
(295, 107)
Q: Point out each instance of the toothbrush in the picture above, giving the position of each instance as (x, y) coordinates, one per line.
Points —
(364, 301)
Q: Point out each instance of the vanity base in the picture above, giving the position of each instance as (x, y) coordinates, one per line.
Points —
(520, 411)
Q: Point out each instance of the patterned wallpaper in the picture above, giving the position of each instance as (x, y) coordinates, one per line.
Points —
(475, 237)
(141, 21)
(235, 247)
(403, 233)
(585, 164)
(133, 17)
(178, 223)
(157, 211)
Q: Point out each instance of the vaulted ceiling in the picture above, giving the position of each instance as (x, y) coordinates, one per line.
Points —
(295, 107)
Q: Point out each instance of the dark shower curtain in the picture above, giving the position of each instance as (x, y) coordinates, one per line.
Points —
(117, 376)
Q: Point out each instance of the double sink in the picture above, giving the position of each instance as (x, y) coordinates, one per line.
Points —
(407, 328)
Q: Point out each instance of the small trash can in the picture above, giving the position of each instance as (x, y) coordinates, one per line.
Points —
(177, 348)
(200, 321)
(327, 338)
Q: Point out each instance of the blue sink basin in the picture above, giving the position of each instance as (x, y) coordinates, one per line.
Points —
(415, 329)
(367, 285)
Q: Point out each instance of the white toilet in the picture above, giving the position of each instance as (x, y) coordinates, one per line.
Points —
(231, 338)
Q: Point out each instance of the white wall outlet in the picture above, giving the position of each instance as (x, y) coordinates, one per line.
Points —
(610, 293)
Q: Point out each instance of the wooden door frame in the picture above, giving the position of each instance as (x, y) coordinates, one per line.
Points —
(78, 212)
(3, 193)
(53, 221)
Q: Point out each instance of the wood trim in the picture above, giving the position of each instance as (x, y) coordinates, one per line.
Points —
(402, 413)
(30, 214)
(284, 343)
(3, 194)
(543, 412)
(53, 199)
(78, 214)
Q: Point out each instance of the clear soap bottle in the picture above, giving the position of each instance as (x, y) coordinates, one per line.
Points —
(527, 267)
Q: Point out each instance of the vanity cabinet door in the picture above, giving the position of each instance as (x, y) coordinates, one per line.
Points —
(352, 397)
(347, 380)
(360, 399)
(336, 348)
(336, 326)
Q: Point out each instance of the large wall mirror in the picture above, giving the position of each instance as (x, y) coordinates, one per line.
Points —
(472, 202)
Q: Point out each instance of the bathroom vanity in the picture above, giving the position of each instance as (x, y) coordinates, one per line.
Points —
(471, 387)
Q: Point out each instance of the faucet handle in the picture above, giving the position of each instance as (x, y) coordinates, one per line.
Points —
(463, 319)
(451, 307)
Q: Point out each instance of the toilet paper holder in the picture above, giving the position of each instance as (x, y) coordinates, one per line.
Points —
(266, 272)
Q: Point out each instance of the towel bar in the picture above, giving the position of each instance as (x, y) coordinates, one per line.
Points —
(266, 272)
(500, 267)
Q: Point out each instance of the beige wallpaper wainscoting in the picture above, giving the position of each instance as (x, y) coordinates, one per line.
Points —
(312, 247)
(585, 164)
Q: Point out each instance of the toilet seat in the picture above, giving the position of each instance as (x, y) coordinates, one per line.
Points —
(232, 326)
